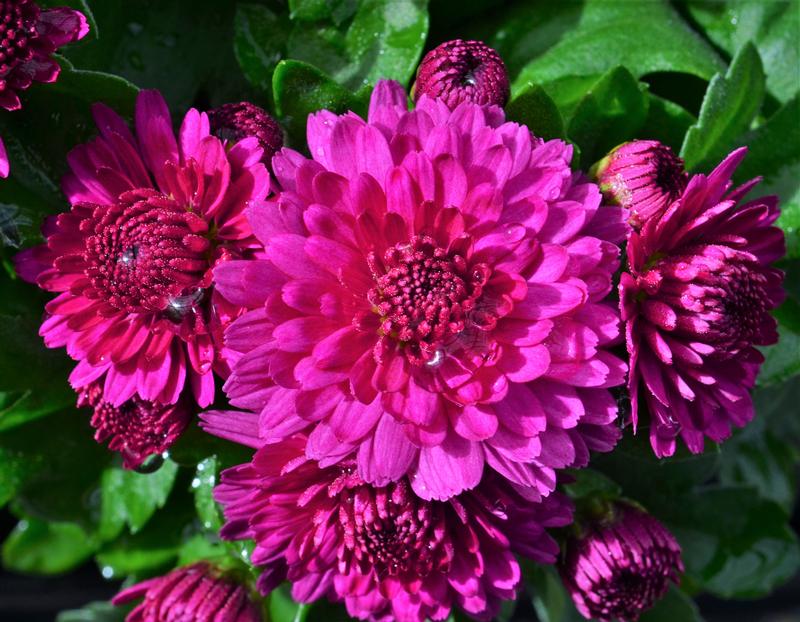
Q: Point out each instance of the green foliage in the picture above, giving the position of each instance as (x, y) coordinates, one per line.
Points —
(731, 103)
(48, 548)
(534, 108)
(94, 612)
(624, 33)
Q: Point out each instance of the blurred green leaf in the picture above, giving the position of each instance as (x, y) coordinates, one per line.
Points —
(62, 467)
(283, 609)
(757, 457)
(645, 37)
(735, 543)
(39, 547)
(550, 598)
(534, 108)
(782, 360)
(95, 612)
(773, 26)
(260, 37)
(646, 478)
(131, 498)
(301, 89)
(731, 103)
(610, 113)
(591, 483)
(203, 486)
(675, 605)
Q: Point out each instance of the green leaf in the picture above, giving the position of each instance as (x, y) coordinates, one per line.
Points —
(675, 605)
(757, 457)
(157, 545)
(182, 50)
(132, 498)
(95, 612)
(550, 598)
(203, 486)
(735, 543)
(731, 103)
(774, 153)
(782, 360)
(772, 26)
(259, 40)
(645, 37)
(666, 122)
(39, 547)
(62, 467)
(314, 10)
(591, 483)
(301, 89)
(283, 609)
(384, 40)
(610, 113)
(534, 108)
(648, 479)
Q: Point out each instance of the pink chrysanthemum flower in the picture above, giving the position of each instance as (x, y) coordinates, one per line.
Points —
(132, 258)
(196, 593)
(137, 428)
(643, 176)
(696, 300)
(431, 300)
(236, 121)
(388, 554)
(619, 567)
(458, 71)
(4, 165)
(28, 37)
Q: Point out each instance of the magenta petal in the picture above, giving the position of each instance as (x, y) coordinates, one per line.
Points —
(387, 455)
(448, 469)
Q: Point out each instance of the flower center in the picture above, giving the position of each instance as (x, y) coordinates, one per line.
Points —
(17, 30)
(423, 294)
(393, 532)
(739, 306)
(146, 253)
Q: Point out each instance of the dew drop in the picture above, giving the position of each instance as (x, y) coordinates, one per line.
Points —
(107, 572)
(151, 464)
(179, 307)
(436, 360)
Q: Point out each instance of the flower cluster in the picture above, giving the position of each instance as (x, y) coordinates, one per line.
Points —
(417, 330)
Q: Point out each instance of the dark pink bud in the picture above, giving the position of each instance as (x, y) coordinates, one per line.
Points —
(137, 428)
(196, 593)
(234, 122)
(459, 71)
(620, 565)
(642, 176)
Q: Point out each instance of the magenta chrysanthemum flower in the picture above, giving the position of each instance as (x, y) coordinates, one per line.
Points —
(233, 122)
(132, 258)
(196, 593)
(28, 37)
(458, 71)
(388, 554)
(643, 176)
(431, 300)
(618, 568)
(696, 300)
(137, 428)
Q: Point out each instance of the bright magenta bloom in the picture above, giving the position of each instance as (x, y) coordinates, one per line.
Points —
(28, 37)
(431, 300)
(618, 568)
(696, 300)
(137, 428)
(643, 176)
(196, 593)
(132, 258)
(388, 554)
(458, 71)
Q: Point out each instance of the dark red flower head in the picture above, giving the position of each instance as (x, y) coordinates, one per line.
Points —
(621, 565)
(459, 71)
(28, 37)
(137, 428)
(196, 593)
(643, 176)
(236, 121)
